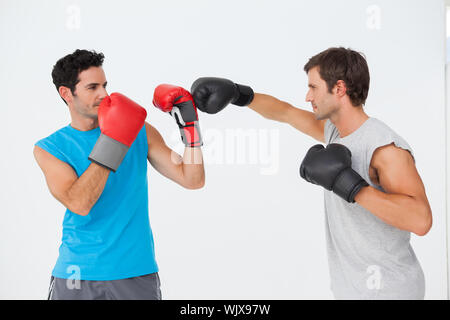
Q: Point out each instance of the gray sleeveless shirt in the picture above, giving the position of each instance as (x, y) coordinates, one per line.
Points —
(368, 259)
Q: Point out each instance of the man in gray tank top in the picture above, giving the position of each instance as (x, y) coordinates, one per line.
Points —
(374, 196)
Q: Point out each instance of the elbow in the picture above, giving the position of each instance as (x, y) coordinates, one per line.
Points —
(74, 204)
(196, 184)
(201, 184)
(82, 213)
(79, 209)
(425, 226)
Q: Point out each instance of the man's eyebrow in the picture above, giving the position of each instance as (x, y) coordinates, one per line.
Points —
(95, 84)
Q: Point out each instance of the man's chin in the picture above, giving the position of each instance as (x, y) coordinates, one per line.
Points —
(321, 117)
(92, 116)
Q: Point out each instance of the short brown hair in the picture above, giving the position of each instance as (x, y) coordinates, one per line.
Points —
(346, 65)
(67, 69)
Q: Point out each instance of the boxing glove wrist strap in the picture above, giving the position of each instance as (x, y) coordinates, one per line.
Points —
(245, 97)
(348, 184)
(108, 152)
(190, 134)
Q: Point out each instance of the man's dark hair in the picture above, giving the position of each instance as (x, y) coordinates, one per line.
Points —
(346, 65)
(66, 70)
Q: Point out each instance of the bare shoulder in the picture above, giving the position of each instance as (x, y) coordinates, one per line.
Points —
(51, 164)
(58, 174)
(391, 154)
(396, 171)
(44, 158)
(154, 138)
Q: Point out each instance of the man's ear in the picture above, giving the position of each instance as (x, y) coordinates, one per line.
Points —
(341, 88)
(65, 93)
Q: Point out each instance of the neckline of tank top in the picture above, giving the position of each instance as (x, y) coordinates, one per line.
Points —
(91, 132)
(358, 129)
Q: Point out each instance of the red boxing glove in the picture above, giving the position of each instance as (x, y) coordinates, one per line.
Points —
(120, 119)
(179, 103)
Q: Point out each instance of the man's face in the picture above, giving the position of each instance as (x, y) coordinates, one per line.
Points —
(323, 102)
(89, 92)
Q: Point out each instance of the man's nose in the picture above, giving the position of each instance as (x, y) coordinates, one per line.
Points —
(103, 93)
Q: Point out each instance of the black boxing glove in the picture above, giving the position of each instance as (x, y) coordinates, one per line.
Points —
(211, 95)
(330, 168)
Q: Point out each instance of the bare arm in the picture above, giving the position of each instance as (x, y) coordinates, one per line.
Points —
(188, 171)
(78, 194)
(405, 204)
(272, 108)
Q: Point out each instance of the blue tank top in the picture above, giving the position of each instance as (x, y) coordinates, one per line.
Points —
(115, 240)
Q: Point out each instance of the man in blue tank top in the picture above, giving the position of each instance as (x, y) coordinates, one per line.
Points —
(97, 168)
(374, 196)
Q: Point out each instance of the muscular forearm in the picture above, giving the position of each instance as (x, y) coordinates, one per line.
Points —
(86, 190)
(193, 168)
(270, 107)
(302, 120)
(401, 211)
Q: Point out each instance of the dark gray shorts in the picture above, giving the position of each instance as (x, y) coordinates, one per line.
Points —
(145, 287)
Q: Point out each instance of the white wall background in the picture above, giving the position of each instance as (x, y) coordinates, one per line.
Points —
(256, 230)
